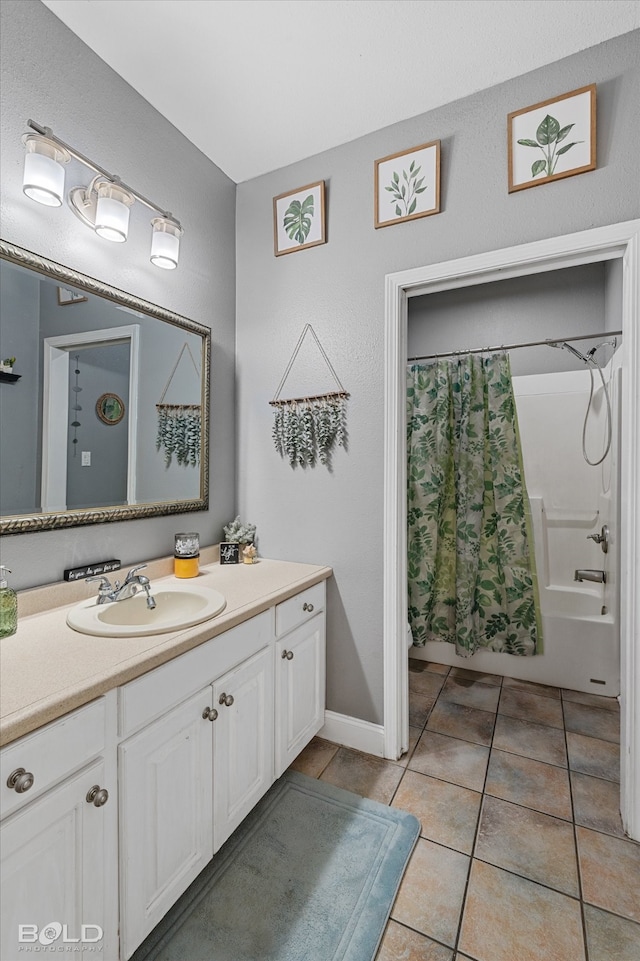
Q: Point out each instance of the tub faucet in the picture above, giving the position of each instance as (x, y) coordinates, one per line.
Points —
(120, 592)
(599, 577)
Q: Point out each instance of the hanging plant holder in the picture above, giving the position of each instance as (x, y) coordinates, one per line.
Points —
(179, 425)
(306, 430)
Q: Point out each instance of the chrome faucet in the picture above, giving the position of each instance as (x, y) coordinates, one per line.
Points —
(120, 592)
(599, 577)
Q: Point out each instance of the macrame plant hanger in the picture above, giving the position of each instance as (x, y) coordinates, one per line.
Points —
(179, 425)
(307, 429)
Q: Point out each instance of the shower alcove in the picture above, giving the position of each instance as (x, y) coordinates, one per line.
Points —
(559, 288)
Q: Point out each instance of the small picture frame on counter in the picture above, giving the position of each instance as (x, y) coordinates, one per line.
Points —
(229, 552)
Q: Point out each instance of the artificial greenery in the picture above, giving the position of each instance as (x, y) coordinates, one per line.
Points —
(405, 192)
(548, 136)
(238, 533)
(179, 431)
(297, 219)
(306, 432)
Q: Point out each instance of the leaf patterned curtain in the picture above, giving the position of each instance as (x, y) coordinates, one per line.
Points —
(471, 564)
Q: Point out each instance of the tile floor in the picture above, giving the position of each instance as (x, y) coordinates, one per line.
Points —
(521, 856)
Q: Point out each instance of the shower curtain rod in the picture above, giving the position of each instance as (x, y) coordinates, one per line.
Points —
(531, 343)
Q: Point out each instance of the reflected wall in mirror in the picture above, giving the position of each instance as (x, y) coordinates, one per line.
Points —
(76, 341)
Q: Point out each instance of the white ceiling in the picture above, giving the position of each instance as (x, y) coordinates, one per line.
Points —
(259, 84)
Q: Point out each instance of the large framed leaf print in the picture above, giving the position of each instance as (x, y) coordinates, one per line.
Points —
(299, 219)
(552, 139)
(407, 185)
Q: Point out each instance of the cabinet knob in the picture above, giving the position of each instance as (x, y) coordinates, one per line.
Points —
(226, 699)
(307, 607)
(288, 655)
(209, 714)
(97, 796)
(20, 780)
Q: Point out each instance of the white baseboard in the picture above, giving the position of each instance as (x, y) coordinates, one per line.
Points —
(354, 733)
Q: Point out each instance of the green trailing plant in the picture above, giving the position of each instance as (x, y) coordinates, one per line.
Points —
(549, 136)
(238, 533)
(297, 219)
(179, 432)
(307, 432)
(405, 190)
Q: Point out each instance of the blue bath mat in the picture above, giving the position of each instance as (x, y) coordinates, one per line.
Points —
(311, 874)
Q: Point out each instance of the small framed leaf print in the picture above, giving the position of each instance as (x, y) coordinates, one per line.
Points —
(110, 409)
(407, 185)
(552, 139)
(299, 219)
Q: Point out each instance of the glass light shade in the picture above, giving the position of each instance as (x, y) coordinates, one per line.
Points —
(112, 212)
(43, 179)
(165, 243)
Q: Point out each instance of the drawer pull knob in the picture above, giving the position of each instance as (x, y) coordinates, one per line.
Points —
(20, 780)
(97, 796)
(209, 714)
(288, 655)
(307, 607)
(226, 699)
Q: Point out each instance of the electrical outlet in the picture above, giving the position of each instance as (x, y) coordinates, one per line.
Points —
(86, 458)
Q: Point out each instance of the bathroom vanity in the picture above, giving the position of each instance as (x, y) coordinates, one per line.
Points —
(124, 773)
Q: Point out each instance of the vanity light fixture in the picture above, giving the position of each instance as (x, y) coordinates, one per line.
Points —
(104, 205)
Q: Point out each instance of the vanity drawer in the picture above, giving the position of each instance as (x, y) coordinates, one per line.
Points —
(299, 609)
(53, 752)
(153, 694)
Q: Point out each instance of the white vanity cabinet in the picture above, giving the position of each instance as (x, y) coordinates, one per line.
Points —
(300, 673)
(57, 839)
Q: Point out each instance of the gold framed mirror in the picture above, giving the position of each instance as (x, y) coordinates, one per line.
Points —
(84, 424)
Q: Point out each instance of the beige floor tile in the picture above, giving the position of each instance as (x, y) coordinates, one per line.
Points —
(471, 693)
(467, 723)
(315, 757)
(431, 892)
(403, 944)
(508, 918)
(448, 813)
(596, 804)
(481, 676)
(536, 846)
(593, 700)
(582, 719)
(591, 755)
(609, 937)
(420, 706)
(416, 664)
(531, 707)
(538, 741)
(426, 682)
(451, 759)
(610, 872)
(533, 784)
(370, 777)
(544, 690)
(414, 737)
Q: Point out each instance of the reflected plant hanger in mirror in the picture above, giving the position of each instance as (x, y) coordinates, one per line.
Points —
(306, 430)
(179, 425)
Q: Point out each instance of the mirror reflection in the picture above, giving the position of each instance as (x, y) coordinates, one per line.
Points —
(103, 403)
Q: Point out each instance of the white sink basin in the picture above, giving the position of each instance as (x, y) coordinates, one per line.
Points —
(177, 607)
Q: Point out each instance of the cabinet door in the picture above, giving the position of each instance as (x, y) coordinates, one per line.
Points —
(56, 876)
(300, 689)
(165, 814)
(243, 742)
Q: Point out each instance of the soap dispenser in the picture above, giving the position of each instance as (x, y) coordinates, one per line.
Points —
(8, 605)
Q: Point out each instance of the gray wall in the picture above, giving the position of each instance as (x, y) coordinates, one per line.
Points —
(50, 76)
(336, 518)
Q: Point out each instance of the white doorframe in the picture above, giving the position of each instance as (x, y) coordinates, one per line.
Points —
(55, 409)
(617, 241)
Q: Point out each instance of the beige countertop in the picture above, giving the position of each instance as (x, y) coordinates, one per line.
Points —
(47, 669)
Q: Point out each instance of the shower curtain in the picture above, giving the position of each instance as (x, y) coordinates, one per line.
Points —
(471, 564)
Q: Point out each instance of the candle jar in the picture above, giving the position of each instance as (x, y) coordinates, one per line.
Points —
(186, 555)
